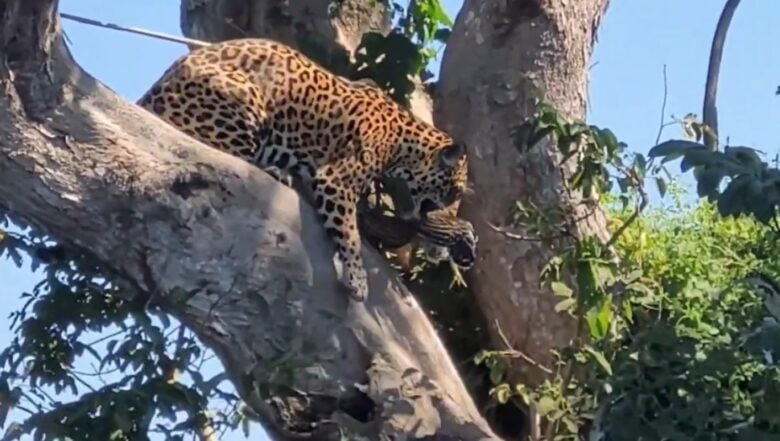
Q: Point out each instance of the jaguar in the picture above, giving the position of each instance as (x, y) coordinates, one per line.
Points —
(267, 103)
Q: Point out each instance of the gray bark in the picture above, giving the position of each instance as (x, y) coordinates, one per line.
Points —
(503, 56)
(336, 26)
(221, 246)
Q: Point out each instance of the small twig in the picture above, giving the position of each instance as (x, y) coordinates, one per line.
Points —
(536, 424)
(663, 109)
(116, 27)
(106, 337)
(710, 110)
(216, 302)
(96, 373)
(511, 235)
(83, 383)
(520, 354)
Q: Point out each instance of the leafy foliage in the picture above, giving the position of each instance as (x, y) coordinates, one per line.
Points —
(695, 354)
(393, 60)
(677, 313)
(753, 186)
(80, 326)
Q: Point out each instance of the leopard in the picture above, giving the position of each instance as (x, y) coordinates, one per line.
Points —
(271, 105)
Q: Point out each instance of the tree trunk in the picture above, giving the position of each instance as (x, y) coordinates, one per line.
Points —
(221, 246)
(501, 58)
(335, 27)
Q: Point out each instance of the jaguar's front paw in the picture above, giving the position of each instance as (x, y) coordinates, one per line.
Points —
(356, 282)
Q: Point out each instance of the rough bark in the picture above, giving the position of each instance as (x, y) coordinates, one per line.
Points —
(221, 246)
(501, 57)
(336, 26)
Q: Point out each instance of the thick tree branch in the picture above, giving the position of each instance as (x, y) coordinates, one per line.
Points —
(231, 253)
(710, 109)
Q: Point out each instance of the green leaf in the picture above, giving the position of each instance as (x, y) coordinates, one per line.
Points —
(599, 320)
(633, 275)
(605, 138)
(641, 165)
(503, 393)
(439, 14)
(560, 289)
(442, 34)
(628, 311)
(698, 157)
(545, 405)
(707, 182)
(497, 372)
(522, 391)
(571, 426)
(732, 201)
(480, 357)
(675, 147)
(566, 304)
(640, 287)
(600, 359)
(746, 156)
(14, 255)
(662, 186)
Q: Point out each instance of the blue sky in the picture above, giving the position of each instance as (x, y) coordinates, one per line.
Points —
(636, 40)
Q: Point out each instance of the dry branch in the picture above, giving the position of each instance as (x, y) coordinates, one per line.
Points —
(132, 30)
(217, 243)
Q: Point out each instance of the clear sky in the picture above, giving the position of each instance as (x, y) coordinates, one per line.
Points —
(636, 40)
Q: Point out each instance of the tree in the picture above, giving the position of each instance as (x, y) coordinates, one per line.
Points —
(330, 35)
(502, 62)
(160, 215)
(507, 60)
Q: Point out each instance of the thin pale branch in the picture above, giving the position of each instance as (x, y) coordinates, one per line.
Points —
(139, 31)
(663, 109)
(519, 354)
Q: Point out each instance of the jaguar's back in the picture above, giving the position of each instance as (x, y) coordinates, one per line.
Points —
(228, 94)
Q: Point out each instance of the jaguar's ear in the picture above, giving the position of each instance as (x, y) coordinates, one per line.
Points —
(450, 155)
